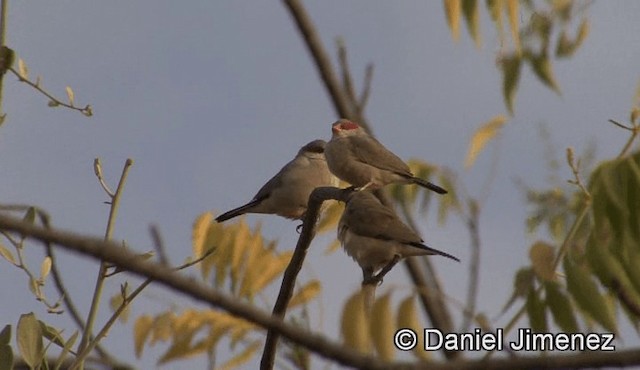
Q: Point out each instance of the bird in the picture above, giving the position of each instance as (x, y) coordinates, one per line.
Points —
(359, 159)
(286, 194)
(375, 237)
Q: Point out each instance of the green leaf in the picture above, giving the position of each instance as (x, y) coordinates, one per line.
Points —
(66, 349)
(587, 295)
(536, 311)
(51, 334)
(561, 308)
(522, 285)
(30, 216)
(471, 13)
(510, 77)
(542, 68)
(5, 335)
(30, 344)
(6, 357)
(542, 256)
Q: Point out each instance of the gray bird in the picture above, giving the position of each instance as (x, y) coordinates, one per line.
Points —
(286, 194)
(373, 235)
(359, 159)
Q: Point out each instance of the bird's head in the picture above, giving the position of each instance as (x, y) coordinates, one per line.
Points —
(313, 149)
(344, 127)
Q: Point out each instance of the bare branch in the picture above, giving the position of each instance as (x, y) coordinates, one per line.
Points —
(317, 197)
(113, 253)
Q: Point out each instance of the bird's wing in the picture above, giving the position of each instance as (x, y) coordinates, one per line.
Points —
(381, 223)
(370, 151)
(275, 182)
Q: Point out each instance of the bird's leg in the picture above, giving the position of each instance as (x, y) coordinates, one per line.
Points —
(380, 275)
(367, 185)
(367, 276)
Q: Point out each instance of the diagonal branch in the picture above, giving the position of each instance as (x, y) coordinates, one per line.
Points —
(112, 252)
(317, 197)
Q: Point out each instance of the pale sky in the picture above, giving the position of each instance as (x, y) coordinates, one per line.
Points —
(211, 98)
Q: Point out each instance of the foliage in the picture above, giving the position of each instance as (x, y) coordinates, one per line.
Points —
(242, 262)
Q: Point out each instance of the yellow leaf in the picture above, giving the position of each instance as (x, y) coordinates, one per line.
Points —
(141, 330)
(354, 325)
(23, 71)
(408, 318)
(381, 327)
(162, 327)
(237, 250)
(115, 302)
(452, 10)
(510, 76)
(306, 293)
(333, 246)
(70, 94)
(330, 217)
(481, 137)
(514, 22)
(495, 10)
(199, 234)
(6, 253)
(242, 357)
(45, 268)
(542, 255)
(270, 270)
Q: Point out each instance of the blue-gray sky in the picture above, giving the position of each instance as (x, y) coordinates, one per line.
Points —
(211, 98)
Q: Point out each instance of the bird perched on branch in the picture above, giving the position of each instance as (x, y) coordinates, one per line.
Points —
(286, 194)
(373, 235)
(359, 159)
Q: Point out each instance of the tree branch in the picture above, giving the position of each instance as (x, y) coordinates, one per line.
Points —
(317, 197)
(113, 253)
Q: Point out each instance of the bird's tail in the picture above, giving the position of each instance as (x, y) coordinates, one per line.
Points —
(428, 185)
(434, 251)
(238, 211)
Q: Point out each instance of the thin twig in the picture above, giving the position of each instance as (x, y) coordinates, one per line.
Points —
(3, 30)
(158, 244)
(114, 254)
(97, 293)
(366, 87)
(347, 81)
(474, 267)
(87, 110)
(56, 275)
(125, 303)
(317, 197)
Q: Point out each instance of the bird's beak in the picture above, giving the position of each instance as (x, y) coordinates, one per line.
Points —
(335, 129)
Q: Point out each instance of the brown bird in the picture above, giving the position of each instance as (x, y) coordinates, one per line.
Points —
(359, 159)
(373, 235)
(286, 194)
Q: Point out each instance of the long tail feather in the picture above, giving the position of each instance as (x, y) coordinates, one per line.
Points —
(238, 211)
(435, 251)
(428, 185)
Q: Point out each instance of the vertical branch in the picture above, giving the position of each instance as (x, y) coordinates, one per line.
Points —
(474, 270)
(437, 311)
(317, 197)
(97, 293)
(3, 30)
